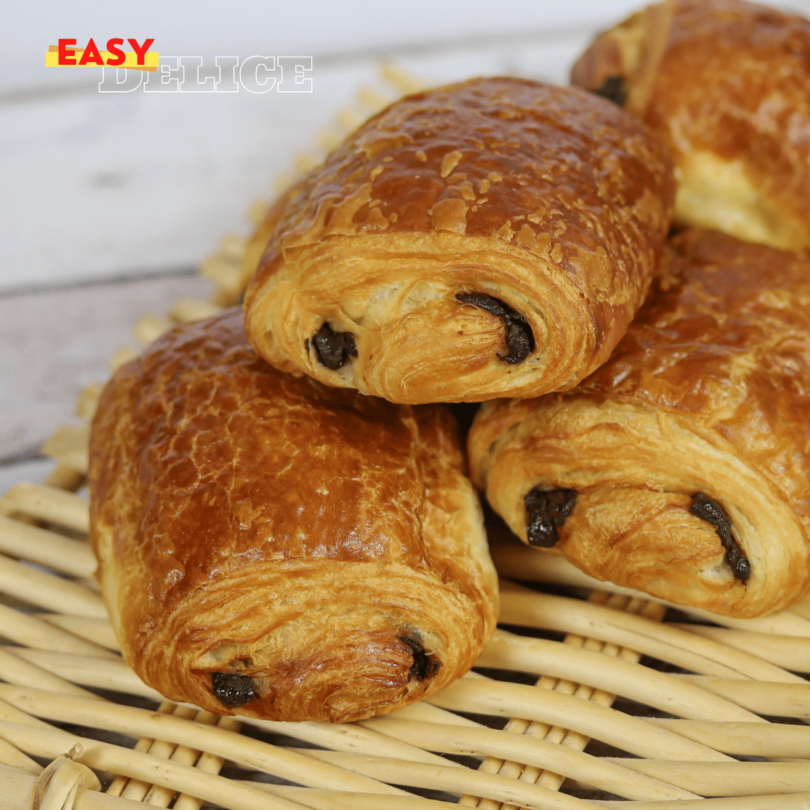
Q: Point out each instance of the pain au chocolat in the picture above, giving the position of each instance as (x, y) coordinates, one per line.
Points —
(273, 547)
(484, 239)
(726, 85)
(682, 466)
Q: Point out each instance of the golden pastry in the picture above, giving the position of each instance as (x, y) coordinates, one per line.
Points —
(490, 238)
(682, 466)
(261, 236)
(272, 547)
(726, 84)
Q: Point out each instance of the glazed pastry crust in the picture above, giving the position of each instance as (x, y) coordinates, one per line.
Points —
(264, 230)
(725, 84)
(548, 199)
(708, 392)
(326, 544)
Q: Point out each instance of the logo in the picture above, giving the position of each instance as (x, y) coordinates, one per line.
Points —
(65, 54)
(227, 74)
(127, 71)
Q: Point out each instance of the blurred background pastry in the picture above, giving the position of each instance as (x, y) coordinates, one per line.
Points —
(724, 83)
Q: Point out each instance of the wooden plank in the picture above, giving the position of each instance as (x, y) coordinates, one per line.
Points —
(54, 343)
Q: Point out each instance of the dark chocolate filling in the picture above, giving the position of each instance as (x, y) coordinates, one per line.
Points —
(710, 510)
(232, 690)
(546, 511)
(333, 348)
(613, 89)
(424, 666)
(519, 337)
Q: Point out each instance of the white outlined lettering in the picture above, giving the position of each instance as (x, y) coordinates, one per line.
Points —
(198, 77)
(258, 70)
(167, 78)
(120, 80)
(292, 78)
(227, 74)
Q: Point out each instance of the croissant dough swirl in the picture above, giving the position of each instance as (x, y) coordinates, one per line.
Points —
(682, 466)
(490, 238)
(272, 547)
(725, 84)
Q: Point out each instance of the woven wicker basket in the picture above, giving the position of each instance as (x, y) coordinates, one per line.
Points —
(671, 706)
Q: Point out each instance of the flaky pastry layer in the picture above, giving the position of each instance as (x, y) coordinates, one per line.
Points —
(272, 547)
(491, 238)
(725, 84)
(703, 405)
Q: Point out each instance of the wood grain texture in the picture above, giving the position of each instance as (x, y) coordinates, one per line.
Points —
(56, 342)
